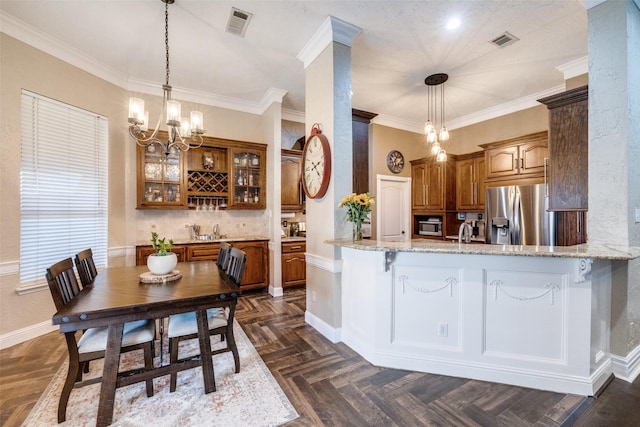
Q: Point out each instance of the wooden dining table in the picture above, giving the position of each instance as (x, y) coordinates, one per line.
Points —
(117, 296)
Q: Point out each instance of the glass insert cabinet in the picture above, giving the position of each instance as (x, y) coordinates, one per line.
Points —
(221, 174)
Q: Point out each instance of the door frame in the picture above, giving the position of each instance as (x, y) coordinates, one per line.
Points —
(406, 183)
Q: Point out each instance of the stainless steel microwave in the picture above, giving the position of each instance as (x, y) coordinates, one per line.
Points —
(430, 227)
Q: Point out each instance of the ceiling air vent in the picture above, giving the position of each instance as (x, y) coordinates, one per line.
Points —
(238, 22)
(504, 39)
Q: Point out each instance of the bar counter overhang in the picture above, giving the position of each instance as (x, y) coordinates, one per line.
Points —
(530, 316)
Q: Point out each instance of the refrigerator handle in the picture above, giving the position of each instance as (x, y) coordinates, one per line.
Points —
(516, 238)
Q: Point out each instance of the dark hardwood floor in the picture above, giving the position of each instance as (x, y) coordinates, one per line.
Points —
(330, 385)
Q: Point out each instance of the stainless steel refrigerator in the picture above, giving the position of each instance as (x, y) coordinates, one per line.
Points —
(518, 215)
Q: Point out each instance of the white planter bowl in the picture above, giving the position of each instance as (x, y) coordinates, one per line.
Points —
(162, 264)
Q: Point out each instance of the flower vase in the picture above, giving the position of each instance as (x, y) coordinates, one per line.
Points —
(357, 230)
(162, 264)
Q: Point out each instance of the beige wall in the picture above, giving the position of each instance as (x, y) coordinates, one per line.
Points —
(383, 139)
(22, 66)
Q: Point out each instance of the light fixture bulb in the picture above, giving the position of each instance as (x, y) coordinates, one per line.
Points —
(173, 113)
(444, 134)
(432, 136)
(136, 111)
(144, 126)
(428, 127)
(442, 156)
(185, 129)
(197, 122)
(435, 148)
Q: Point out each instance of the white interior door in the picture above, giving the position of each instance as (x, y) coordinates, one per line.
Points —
(393, 201)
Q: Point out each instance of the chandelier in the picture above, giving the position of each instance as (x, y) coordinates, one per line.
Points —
(183, 134)
(433, 136)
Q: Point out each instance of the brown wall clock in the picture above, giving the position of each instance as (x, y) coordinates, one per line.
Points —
(316, 164)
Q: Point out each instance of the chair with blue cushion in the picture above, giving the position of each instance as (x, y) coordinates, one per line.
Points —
(220, 321)
(86, 267)
(93, 342)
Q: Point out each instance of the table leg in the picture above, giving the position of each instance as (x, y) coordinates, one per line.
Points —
(205, 352)
(110, 375)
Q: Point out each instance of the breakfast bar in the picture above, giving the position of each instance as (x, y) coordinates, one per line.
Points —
(501, 313)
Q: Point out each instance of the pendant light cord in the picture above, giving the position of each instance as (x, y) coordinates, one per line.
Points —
(166, 38)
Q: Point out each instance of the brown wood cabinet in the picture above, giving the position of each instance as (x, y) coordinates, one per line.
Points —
(516, 158)
(470, 176)
(568, 173)
(256, 274)
(292, 195)
(224, 173)
(294, 266)
(142, 252)
(433, 184)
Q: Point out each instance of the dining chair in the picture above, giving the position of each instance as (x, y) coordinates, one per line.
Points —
(93, 342)
(86, 267)
(184, 326)
(223, 256)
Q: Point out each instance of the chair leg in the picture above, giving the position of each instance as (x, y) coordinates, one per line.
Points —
(173, 358)
(148, 364)
(231, 343)
(86, 367)
(73, 373)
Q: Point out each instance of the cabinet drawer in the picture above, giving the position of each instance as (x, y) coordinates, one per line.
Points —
(203, 252)
(290, 247)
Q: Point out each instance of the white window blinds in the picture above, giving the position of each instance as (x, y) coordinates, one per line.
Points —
(63, 185)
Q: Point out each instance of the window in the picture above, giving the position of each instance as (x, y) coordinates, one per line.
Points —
(63, 185)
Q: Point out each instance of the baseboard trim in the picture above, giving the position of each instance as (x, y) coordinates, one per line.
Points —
(627, 368)
(326, 330)
(25, 334)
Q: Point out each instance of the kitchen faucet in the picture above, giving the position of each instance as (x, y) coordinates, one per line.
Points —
(464, 228)
(216, 231)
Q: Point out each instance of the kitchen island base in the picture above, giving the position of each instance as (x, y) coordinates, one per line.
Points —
(539, 322)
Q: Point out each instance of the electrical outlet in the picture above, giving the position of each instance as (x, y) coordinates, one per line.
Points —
(313, 296)
(187, 225)
(443, 330)
(153, 226)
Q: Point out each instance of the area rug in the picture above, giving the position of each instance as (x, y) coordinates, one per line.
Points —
(249, 398)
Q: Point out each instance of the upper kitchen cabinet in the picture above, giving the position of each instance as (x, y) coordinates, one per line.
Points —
(221, 173)
(470, 175)
(207, 177)
(568, 149)
(248, 187)
(433, 184)
(161, 180)
(292, 195)
(517, 158)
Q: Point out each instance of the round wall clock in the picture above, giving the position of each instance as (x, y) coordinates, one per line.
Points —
(316, 164)
(395, 161)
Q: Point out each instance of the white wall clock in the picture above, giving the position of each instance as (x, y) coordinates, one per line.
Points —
(316, 164)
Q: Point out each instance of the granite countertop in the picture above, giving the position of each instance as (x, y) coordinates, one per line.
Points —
(189, 241)
(473, 239)
(293, 239)
(588, 250)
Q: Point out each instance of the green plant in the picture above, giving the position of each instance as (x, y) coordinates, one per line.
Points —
(159, 245)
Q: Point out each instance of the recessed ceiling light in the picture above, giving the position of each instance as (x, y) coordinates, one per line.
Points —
(453, 24)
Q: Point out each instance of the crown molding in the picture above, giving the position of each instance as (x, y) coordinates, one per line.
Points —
(574, 68)
(331, 30)
(514, 106)
(293, 116)
(588, 4)
(32, 36)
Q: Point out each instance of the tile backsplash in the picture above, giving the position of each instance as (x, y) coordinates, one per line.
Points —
(171, 223)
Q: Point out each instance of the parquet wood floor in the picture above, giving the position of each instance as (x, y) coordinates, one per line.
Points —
(330, 385)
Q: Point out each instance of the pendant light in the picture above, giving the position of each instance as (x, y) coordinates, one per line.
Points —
(183, 134)
(434, 137)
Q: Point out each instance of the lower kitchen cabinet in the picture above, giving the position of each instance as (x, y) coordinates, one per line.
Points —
(256, 273)
(294, 266)
(142, 252)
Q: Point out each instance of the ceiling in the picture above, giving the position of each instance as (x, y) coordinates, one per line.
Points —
(401, 43)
